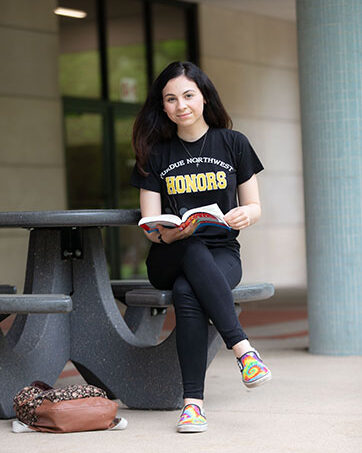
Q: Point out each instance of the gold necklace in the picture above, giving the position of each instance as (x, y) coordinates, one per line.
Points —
(188, 152)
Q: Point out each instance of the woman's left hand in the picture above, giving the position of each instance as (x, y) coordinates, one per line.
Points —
(238, 218)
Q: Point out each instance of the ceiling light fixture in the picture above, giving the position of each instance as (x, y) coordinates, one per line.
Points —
(70, 12)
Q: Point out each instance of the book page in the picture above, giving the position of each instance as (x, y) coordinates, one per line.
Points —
(209, 215)
(212, 209)
(163, 219)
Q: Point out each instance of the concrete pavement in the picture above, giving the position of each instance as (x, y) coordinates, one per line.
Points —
(313, 404)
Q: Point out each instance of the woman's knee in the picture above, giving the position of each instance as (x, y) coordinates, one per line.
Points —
(184, 298)
(182, 289)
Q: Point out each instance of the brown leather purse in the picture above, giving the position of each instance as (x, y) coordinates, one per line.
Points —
(64, 410)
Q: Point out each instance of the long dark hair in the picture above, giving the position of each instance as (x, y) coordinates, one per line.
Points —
(152, 125)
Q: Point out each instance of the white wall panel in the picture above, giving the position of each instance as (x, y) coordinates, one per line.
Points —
(252, 59)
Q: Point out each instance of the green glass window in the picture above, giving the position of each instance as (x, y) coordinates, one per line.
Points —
(132, 241)
(169, 34)
(128, 195)
(106, 63)
(83, 143)
(79, 59)
(126, 51)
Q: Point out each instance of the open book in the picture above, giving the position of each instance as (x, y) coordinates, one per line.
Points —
(204, 215)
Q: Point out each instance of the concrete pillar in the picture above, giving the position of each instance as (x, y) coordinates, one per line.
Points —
(32, 168)
(330, 69)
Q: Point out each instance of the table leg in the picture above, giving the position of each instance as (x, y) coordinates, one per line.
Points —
(105, 350)
(146, 326)
(130, 366)
(37, 346)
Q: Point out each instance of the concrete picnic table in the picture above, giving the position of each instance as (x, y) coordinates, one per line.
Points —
(68, 312)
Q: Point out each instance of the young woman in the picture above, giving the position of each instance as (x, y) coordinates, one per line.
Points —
(187, 156)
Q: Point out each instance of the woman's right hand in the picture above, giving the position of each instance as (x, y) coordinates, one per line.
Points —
(151, 206)
(170, 235)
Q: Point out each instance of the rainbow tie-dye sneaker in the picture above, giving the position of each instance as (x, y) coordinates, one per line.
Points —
(192, 420)
(253, 371)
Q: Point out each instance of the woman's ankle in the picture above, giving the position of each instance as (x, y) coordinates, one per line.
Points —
(242, 347)
(196, 401)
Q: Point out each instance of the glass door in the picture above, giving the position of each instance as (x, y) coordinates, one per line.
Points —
(89, 167)
(84, 160)
(99, 162)
(132, 241)
(107, 61)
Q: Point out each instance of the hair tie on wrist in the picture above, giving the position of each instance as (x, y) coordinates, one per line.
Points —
(161, 240)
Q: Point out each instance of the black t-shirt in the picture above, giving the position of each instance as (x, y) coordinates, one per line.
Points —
(185, 182)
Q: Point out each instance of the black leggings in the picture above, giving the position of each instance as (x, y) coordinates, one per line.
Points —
(201, 279)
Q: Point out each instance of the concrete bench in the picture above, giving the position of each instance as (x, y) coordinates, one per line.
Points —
(145, 313)
(138, 295)
(6, 289)
(148, 297)
(35, 303)
(121, 287)
(11, 303)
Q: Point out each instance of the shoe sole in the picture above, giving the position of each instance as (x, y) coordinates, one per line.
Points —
(191, 428)
(20, 427)
(260, 381)
(122, 424)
